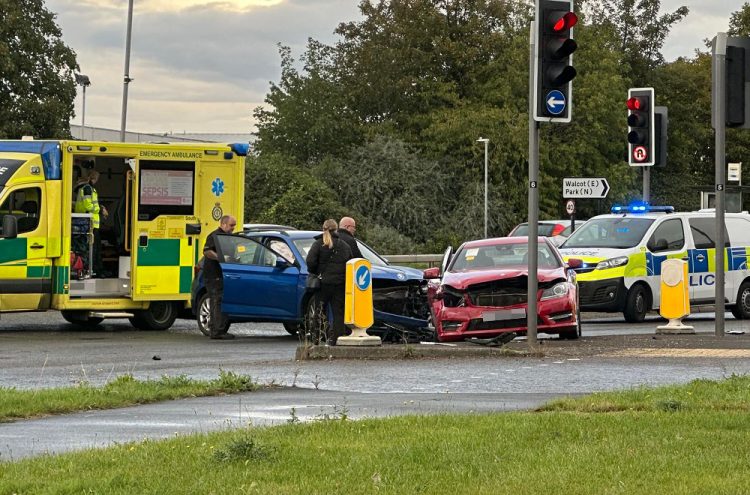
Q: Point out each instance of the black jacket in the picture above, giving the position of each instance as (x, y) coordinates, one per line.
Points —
(345, 236)
(330, 263)
(211, 268)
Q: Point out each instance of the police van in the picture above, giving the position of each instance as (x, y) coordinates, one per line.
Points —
(162, 202)
(622, 253)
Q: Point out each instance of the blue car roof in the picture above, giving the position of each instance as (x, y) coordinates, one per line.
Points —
(383, 272)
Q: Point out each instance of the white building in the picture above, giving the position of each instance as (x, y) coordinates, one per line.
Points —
(90, 133)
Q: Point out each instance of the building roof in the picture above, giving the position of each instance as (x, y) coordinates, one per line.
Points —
(103, 134)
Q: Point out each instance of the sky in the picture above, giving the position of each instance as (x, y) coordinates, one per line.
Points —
(204, 65)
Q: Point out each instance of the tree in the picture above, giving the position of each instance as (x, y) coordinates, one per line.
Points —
(278, 191)
(308, 118)
(392, 184)
(640, 32)
(739, 22)
(37, 87)
(684, 86)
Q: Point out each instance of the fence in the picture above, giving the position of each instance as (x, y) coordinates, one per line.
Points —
(430, 259)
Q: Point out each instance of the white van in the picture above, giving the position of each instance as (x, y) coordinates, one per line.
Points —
(622, 254)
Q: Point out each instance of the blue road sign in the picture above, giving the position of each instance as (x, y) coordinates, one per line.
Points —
(555, 102)
(362, 277)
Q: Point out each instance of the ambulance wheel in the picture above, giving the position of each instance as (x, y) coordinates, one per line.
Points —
(160, 315)
(80, 318)
(636, 305)
(741, 310)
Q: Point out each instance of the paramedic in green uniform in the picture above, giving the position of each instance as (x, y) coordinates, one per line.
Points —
(87, 201)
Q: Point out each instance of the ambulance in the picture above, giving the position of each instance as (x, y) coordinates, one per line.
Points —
(622, 253)
(162, 202)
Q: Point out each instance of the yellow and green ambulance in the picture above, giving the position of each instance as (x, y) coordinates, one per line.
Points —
(622, 255)
(161, 202)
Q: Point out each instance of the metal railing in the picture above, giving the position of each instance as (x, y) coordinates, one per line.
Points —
(430, 259)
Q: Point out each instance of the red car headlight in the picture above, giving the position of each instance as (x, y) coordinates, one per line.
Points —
(560, 289)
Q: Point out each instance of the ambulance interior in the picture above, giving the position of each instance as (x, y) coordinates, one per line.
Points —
(114, 195)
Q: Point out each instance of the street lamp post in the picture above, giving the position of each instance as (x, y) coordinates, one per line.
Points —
(83, 81)
(486, 142)
(127, 78)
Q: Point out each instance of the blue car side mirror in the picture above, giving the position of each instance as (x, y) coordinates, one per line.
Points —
(282, 263)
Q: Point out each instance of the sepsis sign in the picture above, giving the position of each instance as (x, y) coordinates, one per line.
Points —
(166, 187)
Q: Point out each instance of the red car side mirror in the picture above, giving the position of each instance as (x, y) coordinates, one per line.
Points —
(575, 263)
(433, 272)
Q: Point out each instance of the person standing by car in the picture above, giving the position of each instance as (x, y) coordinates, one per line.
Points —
(327, 257)
(347, 228)
(214, 279)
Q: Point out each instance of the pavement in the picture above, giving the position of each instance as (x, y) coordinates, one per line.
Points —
(95, 429)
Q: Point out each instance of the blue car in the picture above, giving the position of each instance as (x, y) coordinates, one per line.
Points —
(264, 281)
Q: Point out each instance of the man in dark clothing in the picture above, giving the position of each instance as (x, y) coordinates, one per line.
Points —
(347, 228)
(214, 280)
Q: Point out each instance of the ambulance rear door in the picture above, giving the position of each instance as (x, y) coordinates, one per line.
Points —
(165, 235)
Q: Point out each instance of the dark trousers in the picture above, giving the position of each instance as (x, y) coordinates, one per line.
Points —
(334, 295)
(215, 289)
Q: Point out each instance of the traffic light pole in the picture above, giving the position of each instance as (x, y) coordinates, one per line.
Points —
(719, 113)
(533, 282)
(646, 184)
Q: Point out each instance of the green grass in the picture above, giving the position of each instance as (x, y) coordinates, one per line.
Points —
(123, 391)
(701, 447)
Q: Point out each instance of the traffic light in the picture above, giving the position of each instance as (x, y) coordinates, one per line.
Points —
(553, 60)
(641, 127)
(737, 79)
(661, 120)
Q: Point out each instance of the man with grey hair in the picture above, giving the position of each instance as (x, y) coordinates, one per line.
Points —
(347, 228)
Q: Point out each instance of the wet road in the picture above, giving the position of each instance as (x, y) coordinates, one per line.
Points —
(40, 350)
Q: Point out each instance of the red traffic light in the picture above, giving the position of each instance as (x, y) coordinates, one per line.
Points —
(635, 104)
(563, 22)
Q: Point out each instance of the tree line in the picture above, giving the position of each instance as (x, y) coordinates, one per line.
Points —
(383, 123)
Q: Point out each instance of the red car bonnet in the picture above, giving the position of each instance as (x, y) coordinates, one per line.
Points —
(461, 280)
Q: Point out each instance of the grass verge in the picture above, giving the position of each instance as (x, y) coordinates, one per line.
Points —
(702, 447)
(125, 390)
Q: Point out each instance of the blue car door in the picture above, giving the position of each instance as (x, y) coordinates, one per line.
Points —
(258, 283)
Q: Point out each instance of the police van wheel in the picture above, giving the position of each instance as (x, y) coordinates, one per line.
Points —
(79, 318)
(160, 315)
(636, 305)
(741, 310)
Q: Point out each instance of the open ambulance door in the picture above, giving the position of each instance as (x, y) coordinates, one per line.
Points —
(164, 235)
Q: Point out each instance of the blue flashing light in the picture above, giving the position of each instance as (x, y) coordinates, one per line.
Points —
(240, 149)
(641, 207)
(48, 150)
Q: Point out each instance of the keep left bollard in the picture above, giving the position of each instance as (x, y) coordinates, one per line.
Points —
(675, 297)
(358, 309)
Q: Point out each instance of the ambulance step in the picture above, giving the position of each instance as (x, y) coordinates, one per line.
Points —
(101, 314)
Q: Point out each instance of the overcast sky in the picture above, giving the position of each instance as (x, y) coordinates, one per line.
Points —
(202, 65)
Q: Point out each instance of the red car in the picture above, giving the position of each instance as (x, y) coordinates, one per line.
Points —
(482, 290)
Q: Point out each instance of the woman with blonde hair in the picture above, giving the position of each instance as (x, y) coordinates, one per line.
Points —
(327, 258)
